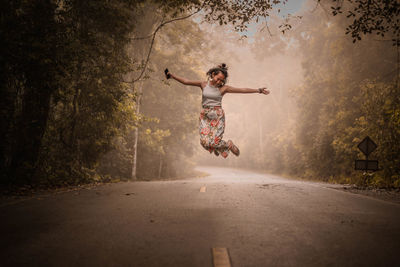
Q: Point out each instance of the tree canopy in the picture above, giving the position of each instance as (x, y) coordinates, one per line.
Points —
(73, 75)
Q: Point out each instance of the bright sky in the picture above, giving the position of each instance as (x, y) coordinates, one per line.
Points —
(291, 7)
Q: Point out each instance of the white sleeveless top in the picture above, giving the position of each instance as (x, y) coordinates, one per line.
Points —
(211, 96)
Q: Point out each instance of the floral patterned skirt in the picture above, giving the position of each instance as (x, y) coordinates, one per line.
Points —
(211, 129)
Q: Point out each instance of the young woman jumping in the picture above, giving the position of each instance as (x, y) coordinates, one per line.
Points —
(212, 116)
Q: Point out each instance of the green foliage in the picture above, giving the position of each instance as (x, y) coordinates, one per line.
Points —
(69, 109)
(378, 17)
(64, 64)
(168, 111)
(339, 104)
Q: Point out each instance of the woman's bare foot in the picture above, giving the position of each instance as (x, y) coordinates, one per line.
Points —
(234, 149)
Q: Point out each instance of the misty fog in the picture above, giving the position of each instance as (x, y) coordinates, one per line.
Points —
(271, 130)
(107, 111)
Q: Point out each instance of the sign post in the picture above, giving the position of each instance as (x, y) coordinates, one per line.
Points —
(367, 146)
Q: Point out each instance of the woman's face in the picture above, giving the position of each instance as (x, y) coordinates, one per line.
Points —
(218, 79)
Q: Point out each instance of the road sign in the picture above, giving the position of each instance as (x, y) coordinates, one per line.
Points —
(366, 165)
(367, 146)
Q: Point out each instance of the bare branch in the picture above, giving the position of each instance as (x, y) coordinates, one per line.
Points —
(153, 37)
(266, 26)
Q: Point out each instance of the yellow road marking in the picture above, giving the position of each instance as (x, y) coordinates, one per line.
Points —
(221, 257)
(203, 189)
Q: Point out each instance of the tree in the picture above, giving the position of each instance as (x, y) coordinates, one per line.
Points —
(342, 88)
(378, 17)
(28, 65)
(52, 52)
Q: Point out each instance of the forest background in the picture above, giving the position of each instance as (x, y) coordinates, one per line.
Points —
(84, 98)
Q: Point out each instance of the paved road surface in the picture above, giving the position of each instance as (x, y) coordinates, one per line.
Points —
(262, 220)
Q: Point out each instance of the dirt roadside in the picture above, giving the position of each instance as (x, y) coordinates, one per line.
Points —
(391, 194)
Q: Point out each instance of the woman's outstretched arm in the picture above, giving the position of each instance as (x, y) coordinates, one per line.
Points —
(230, 89)
(186, 81)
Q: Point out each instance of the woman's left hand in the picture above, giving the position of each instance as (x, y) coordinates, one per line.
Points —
(264, 91)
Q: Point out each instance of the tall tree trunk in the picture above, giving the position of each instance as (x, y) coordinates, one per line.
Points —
(7, 115)
(136, 134)
(29, 49)
(74, 139)
(31, 128)
(74, 136)
(146, 26)
(160, 167)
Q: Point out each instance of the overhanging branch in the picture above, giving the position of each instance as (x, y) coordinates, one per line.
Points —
(153, 37)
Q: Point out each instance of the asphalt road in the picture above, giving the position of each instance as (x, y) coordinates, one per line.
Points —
(262, 220)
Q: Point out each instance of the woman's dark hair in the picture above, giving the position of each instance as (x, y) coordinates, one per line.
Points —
(220, 68)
